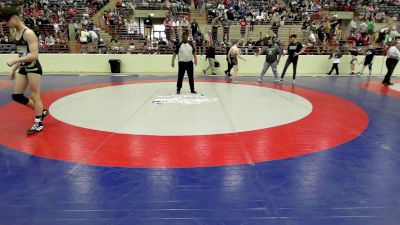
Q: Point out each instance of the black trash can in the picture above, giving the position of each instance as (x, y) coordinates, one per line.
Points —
(115, 65)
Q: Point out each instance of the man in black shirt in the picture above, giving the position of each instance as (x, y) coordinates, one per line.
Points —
(304, 28)
(230, 15)
(369, 57)
(275, 28)
(148, 25)
(272, 56)
(295, 48)
(210, 55)
(29, 21)
(194, 26)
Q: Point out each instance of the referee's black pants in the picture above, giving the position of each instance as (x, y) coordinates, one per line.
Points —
(390, 65)
(182, 68)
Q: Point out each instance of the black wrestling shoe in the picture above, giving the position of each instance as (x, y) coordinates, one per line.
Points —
(193, 92)
(36, 128)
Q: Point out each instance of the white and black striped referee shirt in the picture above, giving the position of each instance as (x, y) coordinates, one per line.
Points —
(185, 52)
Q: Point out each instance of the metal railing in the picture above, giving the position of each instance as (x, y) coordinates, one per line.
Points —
(164, 48)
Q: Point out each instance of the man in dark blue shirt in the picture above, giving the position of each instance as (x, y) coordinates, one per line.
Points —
(295, 48)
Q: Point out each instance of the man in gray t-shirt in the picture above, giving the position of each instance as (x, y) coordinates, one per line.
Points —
(272, 56)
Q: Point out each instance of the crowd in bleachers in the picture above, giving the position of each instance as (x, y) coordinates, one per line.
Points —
(362, 6)
(320, 34)
(119, 24)
(253, 12)
(50, 18)
(172, 5)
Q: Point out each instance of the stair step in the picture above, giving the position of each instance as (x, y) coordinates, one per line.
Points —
(97, 20)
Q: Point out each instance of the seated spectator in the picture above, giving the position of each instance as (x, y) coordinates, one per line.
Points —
(114, 41)
(50, 43)
(221, 6)
(76, 26)
(380, 17)
(93, 37)
(353, 26)
(363, 28)
(119, 3)
(312, 39)
(391, 35)
(5, 40)
(184, 23)
(131, 47)
(84, 36)
(102, 46)
(57, 29)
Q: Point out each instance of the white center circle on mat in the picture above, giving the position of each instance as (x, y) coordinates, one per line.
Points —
(129, 109)
(395, 87)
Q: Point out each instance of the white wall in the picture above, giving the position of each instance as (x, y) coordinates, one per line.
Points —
(161, 64)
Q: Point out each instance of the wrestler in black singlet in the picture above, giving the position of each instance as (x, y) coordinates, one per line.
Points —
(23, 50)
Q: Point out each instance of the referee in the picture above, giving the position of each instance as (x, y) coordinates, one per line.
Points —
(186, 57)
(393, 57)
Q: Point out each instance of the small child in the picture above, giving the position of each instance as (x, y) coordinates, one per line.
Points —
(335, 56)
(369, 57)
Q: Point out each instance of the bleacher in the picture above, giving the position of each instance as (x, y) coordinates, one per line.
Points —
(390, 10)
(122, 32)
(173, 5)
(7, 48)
(129, 37)
(69, 13)
(80, 7)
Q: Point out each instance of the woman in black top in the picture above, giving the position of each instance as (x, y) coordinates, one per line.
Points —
(210, 55)
(30, 70)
